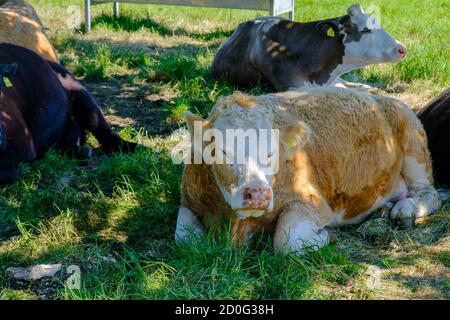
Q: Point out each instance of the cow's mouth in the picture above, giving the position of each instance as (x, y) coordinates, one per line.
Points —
(243, 213)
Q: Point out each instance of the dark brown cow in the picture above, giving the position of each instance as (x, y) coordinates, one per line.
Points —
(435, 117)
(291, 54)
(42, 106)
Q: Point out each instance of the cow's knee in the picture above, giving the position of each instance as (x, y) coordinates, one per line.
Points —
(295, 233)
(188, 225)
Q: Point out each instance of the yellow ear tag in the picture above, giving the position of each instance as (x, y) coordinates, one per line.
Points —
(7, 82)
(330, 32)
(291, 143)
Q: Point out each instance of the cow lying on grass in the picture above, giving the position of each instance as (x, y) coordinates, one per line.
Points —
(42, 106)
(290, 54)
(435, 117)
(341, 155)
(20, 25)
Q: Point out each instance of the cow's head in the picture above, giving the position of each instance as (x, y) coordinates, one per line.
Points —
(364, 40)
(247, 158)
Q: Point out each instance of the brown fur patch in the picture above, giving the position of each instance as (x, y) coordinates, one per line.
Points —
(243, 100)
(20, 25)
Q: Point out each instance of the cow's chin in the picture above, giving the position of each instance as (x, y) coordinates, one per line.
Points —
(249, 213)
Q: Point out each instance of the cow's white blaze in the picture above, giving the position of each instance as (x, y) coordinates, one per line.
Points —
(376, 46)
(250, 150)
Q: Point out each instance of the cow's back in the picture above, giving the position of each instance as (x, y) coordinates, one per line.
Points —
(355, 151)
(232, 59)
(20, 25)
(435, 117)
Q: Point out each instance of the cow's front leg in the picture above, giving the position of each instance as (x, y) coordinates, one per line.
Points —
(420, 202)
(423, 199)
(297, 230)
(187, 225)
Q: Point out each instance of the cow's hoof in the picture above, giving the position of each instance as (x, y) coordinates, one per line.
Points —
(405, 224)
(403, 214)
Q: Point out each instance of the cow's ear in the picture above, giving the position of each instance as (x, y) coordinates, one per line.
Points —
(191, 119)
(295, 137)
(346, 24)
(328, 28)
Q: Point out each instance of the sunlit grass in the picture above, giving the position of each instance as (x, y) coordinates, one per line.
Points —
(114, 215)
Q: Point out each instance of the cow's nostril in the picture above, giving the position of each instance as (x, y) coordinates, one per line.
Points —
(402, 51)
(247, 195)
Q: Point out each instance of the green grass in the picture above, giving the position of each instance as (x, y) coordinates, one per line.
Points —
(114, 216)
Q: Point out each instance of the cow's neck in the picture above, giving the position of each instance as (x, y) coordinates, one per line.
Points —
(343, 68)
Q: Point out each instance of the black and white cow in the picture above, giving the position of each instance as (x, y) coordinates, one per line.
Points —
(291, 54)
(42, 105)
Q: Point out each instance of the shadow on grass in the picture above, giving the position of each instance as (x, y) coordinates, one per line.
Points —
(144, 89)
(427, 286)
(131, 24)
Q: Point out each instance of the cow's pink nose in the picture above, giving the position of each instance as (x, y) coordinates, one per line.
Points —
(401, 51)
(256, 198)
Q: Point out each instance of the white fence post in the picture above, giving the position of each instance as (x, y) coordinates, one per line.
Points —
(87, 8)
(116, 9)
(292, 12)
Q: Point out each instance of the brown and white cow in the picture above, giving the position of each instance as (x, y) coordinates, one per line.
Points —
(341, 154)
(20, 25)
(291, 54)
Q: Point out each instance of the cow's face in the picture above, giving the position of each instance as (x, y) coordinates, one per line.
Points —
(247, 158)
(365, 41)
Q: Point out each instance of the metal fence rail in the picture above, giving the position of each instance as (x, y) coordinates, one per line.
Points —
(275, 7)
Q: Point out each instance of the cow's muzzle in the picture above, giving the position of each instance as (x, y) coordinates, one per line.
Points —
(401, 51)
(255, 201)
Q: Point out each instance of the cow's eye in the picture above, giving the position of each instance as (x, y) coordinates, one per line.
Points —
(270, 155)
(366, 30)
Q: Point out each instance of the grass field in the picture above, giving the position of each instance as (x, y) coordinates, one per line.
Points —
(114, 216)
